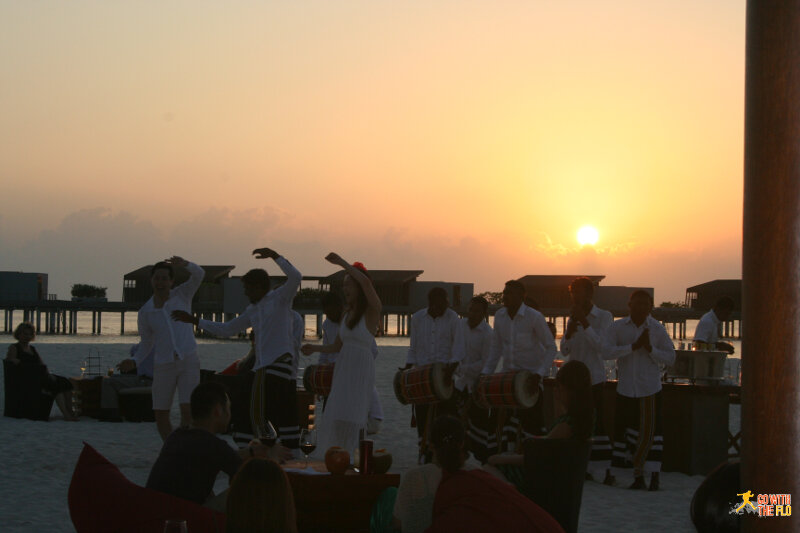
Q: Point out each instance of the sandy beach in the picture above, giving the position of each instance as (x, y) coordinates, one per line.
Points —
(39, 457)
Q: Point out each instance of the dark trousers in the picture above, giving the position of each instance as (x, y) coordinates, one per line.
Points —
(274, 399)
(521, 424)
(600, 456)
(426, 415)
(638, 438)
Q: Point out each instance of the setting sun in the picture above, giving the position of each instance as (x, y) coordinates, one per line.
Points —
(588, 235)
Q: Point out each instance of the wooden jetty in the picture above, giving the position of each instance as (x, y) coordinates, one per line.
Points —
(61, 316)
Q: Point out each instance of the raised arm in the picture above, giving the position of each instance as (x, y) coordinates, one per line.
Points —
(196, 276)
(293, 276)
(373, 301)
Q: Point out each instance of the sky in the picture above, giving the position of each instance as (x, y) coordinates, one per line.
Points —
(468, 139)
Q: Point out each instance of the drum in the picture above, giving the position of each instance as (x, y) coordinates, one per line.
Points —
(507, 389)
(318, 379)
(423, 384)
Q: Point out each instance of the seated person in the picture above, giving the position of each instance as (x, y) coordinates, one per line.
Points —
(260, 500)
(191, 457)
(707, 330)
(413, 507)
(111, 386)
(475, 500)
(573, 399)
(24, 354)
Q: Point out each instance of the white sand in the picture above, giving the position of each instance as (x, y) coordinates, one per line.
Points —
(38, 458)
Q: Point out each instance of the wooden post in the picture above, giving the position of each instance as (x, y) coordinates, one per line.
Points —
(122, 323)
(94, 322)
(99, 322)
(771, 257)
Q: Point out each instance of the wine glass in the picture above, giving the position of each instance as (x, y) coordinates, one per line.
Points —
(267, 434)
(308, 442)
(175, 526)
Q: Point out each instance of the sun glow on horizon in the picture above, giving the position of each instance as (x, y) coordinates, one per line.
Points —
(588, 235)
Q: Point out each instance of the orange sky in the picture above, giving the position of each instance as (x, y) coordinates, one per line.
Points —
(468, 139)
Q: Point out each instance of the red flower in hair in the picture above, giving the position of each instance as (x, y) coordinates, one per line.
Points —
(359, 265)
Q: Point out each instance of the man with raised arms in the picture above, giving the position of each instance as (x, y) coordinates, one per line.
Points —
(270, 316)
(175, 361)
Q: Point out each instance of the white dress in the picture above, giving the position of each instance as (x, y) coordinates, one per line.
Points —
(351, 391)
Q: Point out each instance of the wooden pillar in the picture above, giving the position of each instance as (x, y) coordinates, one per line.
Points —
(122, 323)
(319, 325)
(94, 322)
(99, 322)
(771, 257)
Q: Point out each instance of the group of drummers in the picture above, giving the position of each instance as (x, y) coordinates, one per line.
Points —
(452, 368)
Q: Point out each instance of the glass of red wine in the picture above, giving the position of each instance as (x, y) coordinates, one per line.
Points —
(267, 434)
(308, 442)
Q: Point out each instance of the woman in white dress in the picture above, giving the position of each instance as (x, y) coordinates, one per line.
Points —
(354, 375)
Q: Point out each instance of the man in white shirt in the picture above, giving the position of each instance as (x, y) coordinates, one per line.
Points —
(524, 342)
(583, 341)
(333, 308)
(270, 315)
(433, 332)
(472, 349)
(708, 327)
(642, 347)
(175, 361)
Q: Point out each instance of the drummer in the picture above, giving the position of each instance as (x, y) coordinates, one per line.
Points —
(433, 333)
(523, 340)
(472, 350)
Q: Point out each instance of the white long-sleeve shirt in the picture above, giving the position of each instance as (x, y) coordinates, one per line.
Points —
(271, 319)
(472, 350)
(586, 345)
(158, 330)
(638, 371)
(330, 330)
(524, 343)
(432, 338)
(708, 328)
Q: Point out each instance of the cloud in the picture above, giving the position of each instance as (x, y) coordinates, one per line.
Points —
(100, 245)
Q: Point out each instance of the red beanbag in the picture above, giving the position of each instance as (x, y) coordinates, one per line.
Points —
(101, 499)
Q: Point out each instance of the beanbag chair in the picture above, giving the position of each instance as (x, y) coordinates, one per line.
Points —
(101, 499)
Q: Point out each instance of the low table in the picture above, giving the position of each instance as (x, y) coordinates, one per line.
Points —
(335, 502)
(86, 395)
